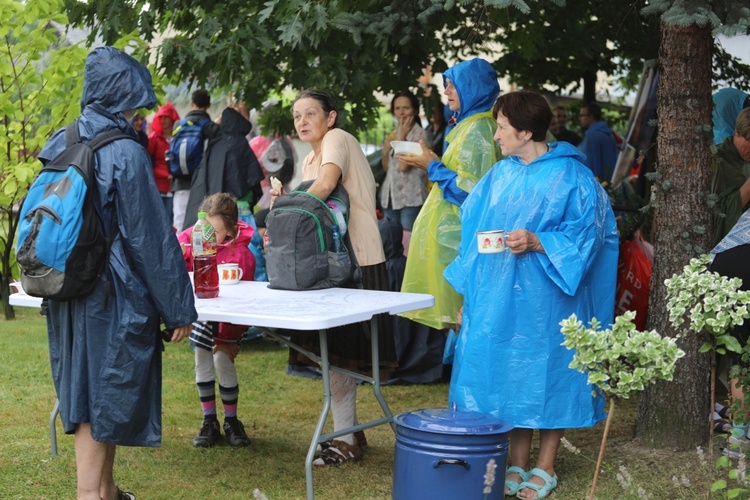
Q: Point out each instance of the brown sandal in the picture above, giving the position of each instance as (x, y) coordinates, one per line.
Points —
(338, 453)
(359, 437)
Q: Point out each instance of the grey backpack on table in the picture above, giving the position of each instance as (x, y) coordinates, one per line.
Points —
(300, 248)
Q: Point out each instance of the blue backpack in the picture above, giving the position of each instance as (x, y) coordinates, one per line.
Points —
(186, 148)
(61, 248)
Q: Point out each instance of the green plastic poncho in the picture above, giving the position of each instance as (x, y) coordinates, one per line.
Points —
(471, 153)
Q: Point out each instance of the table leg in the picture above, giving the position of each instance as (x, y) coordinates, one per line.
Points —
(376, 371)
(324, 367)
(52, 430)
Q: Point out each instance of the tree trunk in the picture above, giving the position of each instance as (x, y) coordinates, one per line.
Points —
(589, 86)
(7, 308)
(675, 414)
(6, 273)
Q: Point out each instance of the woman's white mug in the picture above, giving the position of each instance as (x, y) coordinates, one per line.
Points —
(491, 241)
(229, 274)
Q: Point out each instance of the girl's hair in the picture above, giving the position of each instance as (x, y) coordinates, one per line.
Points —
(525, 110)
(326, 101)
(224, 206)
(412, 99)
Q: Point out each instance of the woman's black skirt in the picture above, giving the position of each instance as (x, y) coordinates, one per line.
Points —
(349, 346)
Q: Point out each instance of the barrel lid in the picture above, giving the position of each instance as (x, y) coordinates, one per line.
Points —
(452, 421)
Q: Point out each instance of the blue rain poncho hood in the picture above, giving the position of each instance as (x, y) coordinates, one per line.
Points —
(728, 103)
(105, 348)
(509, 359)
(476, 85)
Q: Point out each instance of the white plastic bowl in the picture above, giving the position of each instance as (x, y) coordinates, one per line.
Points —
(406, 148)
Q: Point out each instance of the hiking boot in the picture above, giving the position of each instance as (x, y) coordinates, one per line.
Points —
(234, 431)
(208, 434)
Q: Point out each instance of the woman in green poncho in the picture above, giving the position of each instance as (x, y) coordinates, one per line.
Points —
(471, 88)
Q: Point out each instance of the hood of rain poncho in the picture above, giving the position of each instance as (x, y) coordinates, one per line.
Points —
(105, 351)
(513, 304)
(471, 153)
(166, 110)
(116, 82)
(233, 123)
(728, 103)
(476, 85)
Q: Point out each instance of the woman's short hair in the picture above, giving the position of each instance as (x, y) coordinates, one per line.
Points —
(224, 206)
(326, 101)
(525, 110)
(742, 126)
(412, 99)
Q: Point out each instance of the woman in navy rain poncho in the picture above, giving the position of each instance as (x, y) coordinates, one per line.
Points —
(105, 348)
(561, 259)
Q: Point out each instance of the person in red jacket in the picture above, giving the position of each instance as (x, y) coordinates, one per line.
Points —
(217, 344)
(158, 148)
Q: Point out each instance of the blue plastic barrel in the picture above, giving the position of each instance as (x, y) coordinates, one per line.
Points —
(444, 453)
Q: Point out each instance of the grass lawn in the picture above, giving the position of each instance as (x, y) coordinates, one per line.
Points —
(279, 412)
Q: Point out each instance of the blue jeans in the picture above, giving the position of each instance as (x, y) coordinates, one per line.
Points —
(406, 216)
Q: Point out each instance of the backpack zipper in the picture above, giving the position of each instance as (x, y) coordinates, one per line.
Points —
(44, 209)
(330, 210)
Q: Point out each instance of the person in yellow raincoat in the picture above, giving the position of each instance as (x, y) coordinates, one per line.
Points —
(471, 88)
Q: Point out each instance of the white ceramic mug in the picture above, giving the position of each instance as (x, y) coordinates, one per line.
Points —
(229, 274)
(491, 241)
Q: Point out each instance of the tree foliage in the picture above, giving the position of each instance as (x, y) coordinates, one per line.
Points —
(41, 81)
(354, 48)
(565, 46)
(40, 88)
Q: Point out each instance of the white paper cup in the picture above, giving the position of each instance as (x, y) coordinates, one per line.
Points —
(491, 241)
(229, 274)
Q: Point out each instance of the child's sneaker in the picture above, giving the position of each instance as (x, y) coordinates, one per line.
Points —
(234, 431)
(208, 434)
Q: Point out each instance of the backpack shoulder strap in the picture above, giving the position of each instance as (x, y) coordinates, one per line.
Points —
(72, 136)
(107, 137)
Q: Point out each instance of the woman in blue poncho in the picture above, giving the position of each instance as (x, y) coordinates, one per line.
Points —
(562, 258)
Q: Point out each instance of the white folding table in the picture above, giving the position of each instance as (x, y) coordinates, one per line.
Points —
(253, 303)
